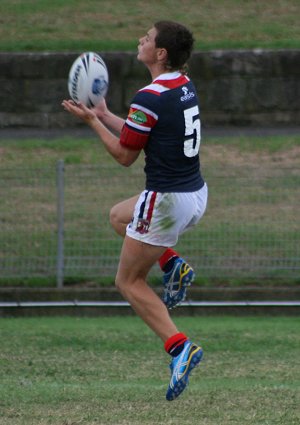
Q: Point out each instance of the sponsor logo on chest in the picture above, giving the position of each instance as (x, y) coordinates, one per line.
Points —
(187, 95)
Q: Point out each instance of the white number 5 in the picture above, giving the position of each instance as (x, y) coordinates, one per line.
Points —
(192, 128)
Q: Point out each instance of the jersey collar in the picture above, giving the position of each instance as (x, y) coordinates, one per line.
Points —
(168, 76)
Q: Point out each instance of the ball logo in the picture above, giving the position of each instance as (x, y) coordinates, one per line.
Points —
(99, 86)
(74, 83)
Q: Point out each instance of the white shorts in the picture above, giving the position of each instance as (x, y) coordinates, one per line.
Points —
(159, 218)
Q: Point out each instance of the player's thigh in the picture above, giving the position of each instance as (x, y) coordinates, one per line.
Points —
(136, 260)
(123, 211)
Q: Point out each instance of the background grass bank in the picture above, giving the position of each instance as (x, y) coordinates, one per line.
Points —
(117, 25)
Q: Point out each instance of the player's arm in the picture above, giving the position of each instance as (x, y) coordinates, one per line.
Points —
(111, 120)
(121, 153)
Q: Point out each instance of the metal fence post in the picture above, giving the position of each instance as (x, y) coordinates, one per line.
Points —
(60, 223)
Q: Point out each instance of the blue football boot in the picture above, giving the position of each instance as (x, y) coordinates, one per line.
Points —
(181, 366)
(176, 282)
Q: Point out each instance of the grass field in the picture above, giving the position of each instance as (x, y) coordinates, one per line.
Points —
(117, 24)
(113, 371)
(234, 150)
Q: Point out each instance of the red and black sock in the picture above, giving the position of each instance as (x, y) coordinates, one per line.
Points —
(166, 261)
(175, 344)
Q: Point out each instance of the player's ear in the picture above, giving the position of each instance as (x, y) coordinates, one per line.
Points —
(162, 54)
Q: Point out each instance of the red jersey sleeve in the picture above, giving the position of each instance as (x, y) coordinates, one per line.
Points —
(133, 139)
(138, 125)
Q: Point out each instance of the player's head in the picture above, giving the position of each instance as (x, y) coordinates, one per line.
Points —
(178, 42)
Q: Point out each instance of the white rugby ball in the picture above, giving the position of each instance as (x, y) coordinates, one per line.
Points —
(88, 79)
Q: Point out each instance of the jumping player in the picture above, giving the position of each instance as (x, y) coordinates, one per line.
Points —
(164, 122)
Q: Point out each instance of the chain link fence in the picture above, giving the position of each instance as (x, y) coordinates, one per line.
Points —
(55, 223)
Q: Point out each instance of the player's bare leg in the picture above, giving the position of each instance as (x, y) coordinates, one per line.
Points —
(121, 215)
(136, 260)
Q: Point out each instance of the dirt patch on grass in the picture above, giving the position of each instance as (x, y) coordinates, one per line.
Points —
(219, 154)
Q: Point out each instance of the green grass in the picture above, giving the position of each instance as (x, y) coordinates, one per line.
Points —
(42, 152)
(117, 25)
(71, 371)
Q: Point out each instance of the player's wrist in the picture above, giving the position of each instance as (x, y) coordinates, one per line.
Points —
(92, 121)
(106, 116)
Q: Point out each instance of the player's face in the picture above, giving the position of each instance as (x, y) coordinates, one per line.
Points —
(147, 51)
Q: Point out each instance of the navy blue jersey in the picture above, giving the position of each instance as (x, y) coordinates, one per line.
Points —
(164, 120)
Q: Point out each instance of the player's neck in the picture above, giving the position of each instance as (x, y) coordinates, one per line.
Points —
(156, 70)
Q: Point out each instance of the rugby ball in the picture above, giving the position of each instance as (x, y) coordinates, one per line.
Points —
(88, 79)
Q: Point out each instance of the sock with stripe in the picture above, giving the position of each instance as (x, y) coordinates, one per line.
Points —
(167, 260)
(175, 344)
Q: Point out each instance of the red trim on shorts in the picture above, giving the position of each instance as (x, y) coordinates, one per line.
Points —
(151, 206)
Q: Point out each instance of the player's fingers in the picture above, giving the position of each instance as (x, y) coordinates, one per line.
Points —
(70, 105)
(83, 107)
(67, 103)
(73, 109)
(79, 110)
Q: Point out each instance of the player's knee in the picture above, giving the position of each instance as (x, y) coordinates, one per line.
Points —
(113, 217)
(125, 285)
(121, 286)
(115, 221)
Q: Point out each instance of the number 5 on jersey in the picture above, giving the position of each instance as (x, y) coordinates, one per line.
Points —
(192, 131)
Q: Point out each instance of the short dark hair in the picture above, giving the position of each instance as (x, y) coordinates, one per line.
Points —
(178, 42)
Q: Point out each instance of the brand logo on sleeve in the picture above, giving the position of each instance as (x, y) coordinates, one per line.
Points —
(137, 116)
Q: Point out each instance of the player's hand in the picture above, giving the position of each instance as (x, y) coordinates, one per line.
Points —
(79, 110)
